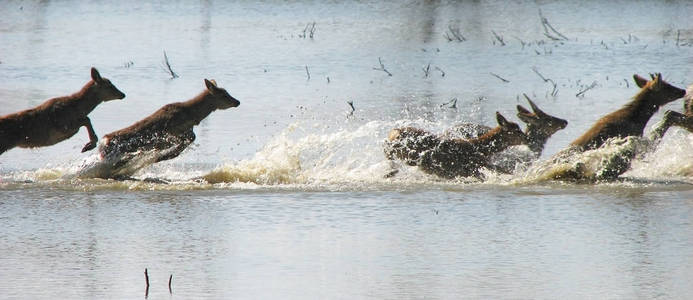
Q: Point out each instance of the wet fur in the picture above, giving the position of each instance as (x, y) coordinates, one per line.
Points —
(540, 127)
(449, 158)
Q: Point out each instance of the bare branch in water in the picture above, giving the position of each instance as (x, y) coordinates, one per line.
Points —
(498, 38)
(547, 26)
(146, 281)
(382, 67)
(582, 92)
(442, 73)
(452, 103)
(426, 70)
(554, 92)
(456, 35)
(312, 30)
(501, 78)
(170, 278)
(351, 104)
(308, 31)
(168, 67)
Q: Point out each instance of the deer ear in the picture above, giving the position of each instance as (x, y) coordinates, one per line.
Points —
(211, 86)
(522, 110)
(524, 114)
(641, 82)
(657, 82)
(95, 75)
(501, 120)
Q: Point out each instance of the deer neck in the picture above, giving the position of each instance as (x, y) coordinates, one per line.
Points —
(200, 107)
(536, 139)
(643, 107)
(86, 99)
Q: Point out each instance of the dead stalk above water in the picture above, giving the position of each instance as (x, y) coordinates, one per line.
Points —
(548, 29)
(498, 38)
(501, 78)
(308, 31)
(454, 34)
(554, 92)
(452, 103)
(382, 67)
(168, 67)
(146, 281)
(442, 73)
(591, 86)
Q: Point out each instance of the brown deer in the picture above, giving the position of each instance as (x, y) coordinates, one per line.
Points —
(165, 133)
(57, 119)
(630, 120)
(449, 158)
(540, 127)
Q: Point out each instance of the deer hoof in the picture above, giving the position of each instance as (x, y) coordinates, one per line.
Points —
(89, 146)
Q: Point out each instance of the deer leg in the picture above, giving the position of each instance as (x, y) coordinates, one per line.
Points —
(187, 139)
(93, 139)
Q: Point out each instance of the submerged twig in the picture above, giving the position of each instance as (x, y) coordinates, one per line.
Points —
(168, 67)
(382, 67)
(501, 78)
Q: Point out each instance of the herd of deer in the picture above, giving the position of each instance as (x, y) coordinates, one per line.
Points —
(463, 150)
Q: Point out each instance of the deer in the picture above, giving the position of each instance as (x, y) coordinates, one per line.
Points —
(164, 134)
(540, 127)
(628, 121)
(451, 157)
(58, 119)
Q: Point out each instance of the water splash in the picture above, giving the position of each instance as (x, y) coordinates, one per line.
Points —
(307, 156)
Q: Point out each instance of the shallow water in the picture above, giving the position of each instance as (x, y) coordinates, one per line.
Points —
(295, 204)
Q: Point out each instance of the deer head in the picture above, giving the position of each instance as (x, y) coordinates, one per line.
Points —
(220, 96)
(510, 132)
(659, 92)
(539, 122)
(103, 88)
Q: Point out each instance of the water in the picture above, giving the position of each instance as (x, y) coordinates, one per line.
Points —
(295, 204)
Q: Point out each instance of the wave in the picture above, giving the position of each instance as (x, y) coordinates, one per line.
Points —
(351, 157)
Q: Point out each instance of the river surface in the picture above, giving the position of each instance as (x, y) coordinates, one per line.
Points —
(295, 204)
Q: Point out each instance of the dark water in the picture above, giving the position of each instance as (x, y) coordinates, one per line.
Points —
(300, 208)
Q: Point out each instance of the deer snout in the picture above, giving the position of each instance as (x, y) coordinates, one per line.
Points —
(235, 102)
